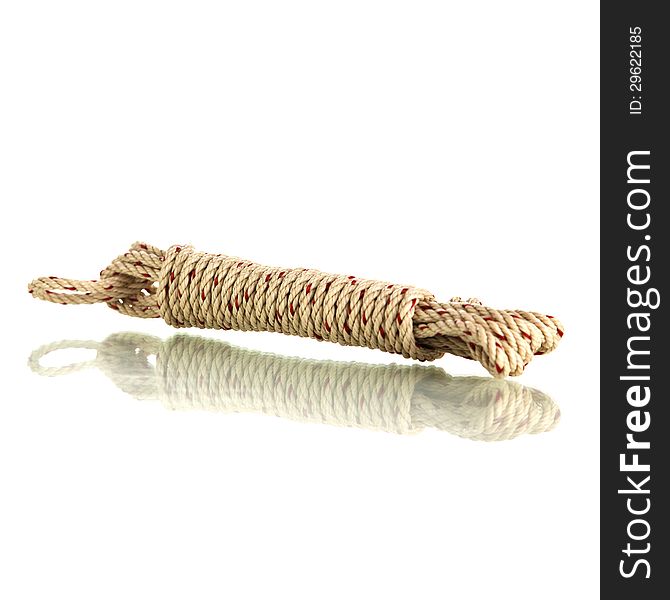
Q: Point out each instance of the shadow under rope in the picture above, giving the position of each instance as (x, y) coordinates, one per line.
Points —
(192, 372)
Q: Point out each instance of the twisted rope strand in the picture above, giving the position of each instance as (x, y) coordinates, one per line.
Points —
(196, 289)
(191, 372)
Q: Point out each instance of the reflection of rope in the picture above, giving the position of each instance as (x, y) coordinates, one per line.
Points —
(191, 372)
(196, 289)
(35, 365)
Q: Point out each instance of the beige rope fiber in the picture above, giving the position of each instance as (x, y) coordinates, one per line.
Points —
(188, 288)
(190, 372)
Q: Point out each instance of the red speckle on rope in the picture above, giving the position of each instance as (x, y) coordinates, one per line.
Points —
(383, 333)
(202, 294)
(290, 306)
(550, 317)
(171, 275)
(365, 319)
(216, 280)
(71, 289)
(560, 333)
(246, 295)
(108, 287)
(499, 368)
(268, 277)
(360, 296)
(143, 246)
(282, 274)
(404, 290)
(527, 336)
(347, 329)
(325, 324)
(308, 288)
(107, 299)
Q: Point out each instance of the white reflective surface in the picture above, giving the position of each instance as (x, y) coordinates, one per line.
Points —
(195, 465)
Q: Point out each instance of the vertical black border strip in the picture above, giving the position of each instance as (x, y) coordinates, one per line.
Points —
(634, 547)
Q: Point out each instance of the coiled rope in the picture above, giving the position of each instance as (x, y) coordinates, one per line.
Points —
(188, 288)
(191, 372)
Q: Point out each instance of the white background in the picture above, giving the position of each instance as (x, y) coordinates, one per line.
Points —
(453, 145)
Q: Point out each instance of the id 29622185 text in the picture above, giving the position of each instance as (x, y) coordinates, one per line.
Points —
(635, 70)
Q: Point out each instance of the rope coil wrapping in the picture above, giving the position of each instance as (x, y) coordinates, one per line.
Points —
(188, 288)
(194, 373)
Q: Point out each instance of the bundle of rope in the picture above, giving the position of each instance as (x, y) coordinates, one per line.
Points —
(188, 288)
(190, 372)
